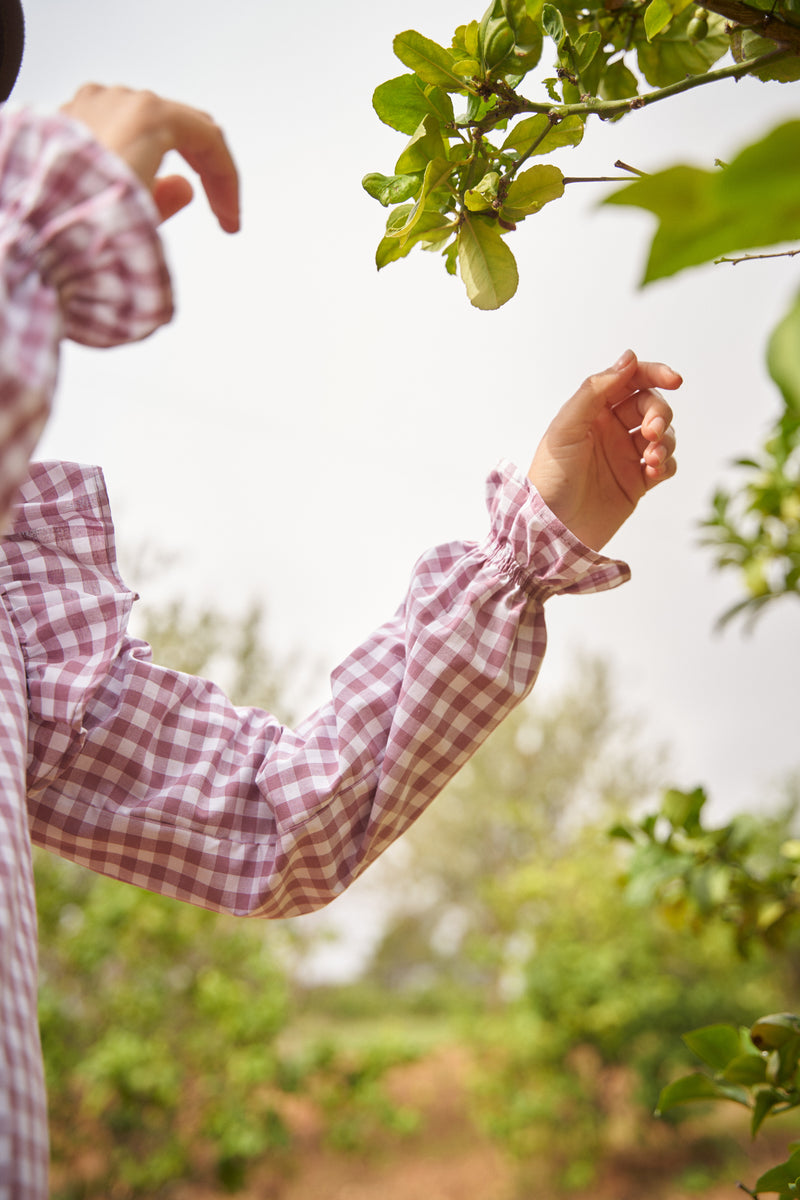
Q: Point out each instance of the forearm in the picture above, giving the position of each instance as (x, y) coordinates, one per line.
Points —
(79, 258)
(155, 778)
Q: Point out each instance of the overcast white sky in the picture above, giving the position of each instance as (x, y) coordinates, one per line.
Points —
(307, 427)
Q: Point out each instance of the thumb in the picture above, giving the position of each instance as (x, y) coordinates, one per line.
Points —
(602, 390)
(171, 193)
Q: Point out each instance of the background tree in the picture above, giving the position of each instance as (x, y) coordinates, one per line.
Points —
(512, 912)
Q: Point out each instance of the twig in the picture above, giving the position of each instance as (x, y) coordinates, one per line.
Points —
(751, 257)
(616, 108)
(623, 166)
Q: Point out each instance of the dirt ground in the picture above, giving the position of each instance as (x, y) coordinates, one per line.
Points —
(448, 1158)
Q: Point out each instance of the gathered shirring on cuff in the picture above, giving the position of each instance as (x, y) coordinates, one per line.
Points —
(534, 548)
(84, 219)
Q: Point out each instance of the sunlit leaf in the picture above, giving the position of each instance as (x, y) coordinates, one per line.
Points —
(427, 59)
(426, 144)
(488, 268)
(526, 134)
(390, 189)
(659, 13)
(437, 173)
(672, 54)
(404, 102)
(533, 189)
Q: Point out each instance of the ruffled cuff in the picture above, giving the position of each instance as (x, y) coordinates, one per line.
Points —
(530, 544)
(77, 213)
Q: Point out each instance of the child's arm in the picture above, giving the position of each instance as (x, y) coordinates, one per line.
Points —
(80, 255)
(155, 778)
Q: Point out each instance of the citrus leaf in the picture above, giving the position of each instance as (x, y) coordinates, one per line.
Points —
(704, 214)
(778, 1179)
(698, 1087)
(427, 59)
(390, 189)
(488, 268)
(717, 1045)
(672, 55)
(783, 358)
(526, 134)
(531, 190)
(402, 103)
(659, 13)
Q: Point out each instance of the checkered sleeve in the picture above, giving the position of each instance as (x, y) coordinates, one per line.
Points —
(155, 778)
(80, 257)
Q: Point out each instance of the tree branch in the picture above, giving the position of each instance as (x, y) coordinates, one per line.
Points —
(766, 24)
(508, 107)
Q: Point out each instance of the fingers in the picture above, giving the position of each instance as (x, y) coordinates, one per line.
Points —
(142, 128)
(617, 384)
(653, 436)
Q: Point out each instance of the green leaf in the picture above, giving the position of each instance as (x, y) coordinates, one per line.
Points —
(553, 24)
(481, 197)
(617, 82)
(747, 1069)
(766, 1099)
(402, 103)
(783, 359)
(698, 1087)
(426, 145)
(488, 268)
(431, 228)
(780, 1178)
(703, 214)
(585, 49)
(390, 189)
(746, 44)
(673, 55)
(497, 41)
(682, 809)
(437, 173)
(659, 13)
(717, 1045)
(531, 190)
(516, 13)
(526, 134)
(427, 59)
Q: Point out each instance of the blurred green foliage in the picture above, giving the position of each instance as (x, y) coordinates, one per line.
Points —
(514, 893)
(164, 1027)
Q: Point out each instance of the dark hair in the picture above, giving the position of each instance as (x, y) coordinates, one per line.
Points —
(12, 44)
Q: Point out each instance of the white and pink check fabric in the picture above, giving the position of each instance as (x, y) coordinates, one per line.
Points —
(154, 777)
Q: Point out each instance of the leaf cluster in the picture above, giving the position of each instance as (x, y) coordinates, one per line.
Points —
(744, 873)
(459, 186)
(758, 1068)
(756, 529)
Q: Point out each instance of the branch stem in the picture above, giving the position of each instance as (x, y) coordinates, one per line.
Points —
(616, 108)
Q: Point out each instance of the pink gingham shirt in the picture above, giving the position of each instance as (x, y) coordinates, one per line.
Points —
(154, 777)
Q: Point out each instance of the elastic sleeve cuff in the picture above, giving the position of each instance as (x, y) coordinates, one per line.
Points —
(88, 224)
(528, 542)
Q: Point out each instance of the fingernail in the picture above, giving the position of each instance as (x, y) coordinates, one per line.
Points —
(623, 361)
(658, 428)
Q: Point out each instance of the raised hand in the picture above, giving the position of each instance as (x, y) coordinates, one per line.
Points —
(611, 443)
(141, 128)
